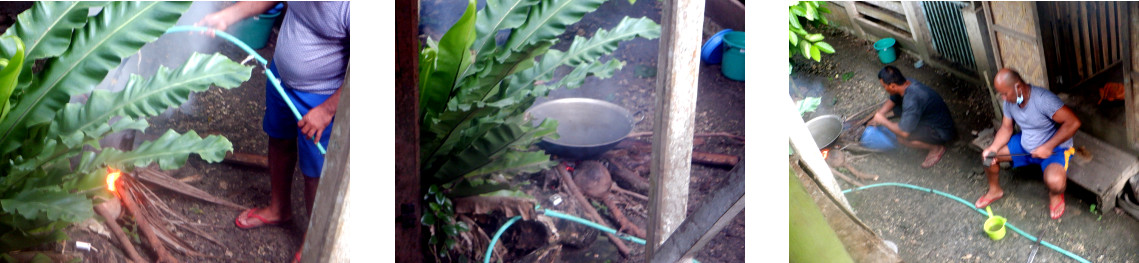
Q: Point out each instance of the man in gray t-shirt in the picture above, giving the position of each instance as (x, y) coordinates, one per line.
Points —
(925, 124)
(311, 59)
(1047, 127)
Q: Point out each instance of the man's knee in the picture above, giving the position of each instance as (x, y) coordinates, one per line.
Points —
(1055, 178)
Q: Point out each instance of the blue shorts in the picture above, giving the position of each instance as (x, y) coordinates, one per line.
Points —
(1060, 155)
(280, 123)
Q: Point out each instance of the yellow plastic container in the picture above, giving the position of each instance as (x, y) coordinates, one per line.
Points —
(995, 225)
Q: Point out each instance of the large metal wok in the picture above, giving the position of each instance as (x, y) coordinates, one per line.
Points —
(587, 127)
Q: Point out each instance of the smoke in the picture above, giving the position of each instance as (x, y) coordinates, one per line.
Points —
(171, 51)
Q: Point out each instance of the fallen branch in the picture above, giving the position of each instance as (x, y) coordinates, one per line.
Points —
(845, 178)
(715, 159)
(625, 177)
(155, 177)
(705, 134)
(145, 226)
(620, 216)
(567, 181)
(124, 242)
(860, 175)
(618, 189)
(247, 159)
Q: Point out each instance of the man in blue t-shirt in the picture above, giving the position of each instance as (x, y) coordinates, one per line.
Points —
(1046, 128)
(925, 124)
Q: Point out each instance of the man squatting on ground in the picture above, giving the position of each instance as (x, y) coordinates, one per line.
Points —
(925, 124)
(1047, 127)
(311, 58)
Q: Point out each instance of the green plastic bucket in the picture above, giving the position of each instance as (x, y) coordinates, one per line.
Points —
(254, 31)
(733, 62)
(885, 49)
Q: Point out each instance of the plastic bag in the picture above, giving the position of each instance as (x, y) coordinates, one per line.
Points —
(878, 138)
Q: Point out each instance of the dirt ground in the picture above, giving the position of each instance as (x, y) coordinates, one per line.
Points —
(931, 228)
(720, 108)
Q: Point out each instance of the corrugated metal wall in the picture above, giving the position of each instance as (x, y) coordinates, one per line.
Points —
(948, 33)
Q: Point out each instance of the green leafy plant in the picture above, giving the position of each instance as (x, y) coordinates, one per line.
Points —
(473, 92)
(50, 156)
(809, 45)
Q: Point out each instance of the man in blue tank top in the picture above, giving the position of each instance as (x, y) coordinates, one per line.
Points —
(1047, 127)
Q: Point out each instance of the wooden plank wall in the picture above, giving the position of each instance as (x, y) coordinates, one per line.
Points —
(1016, 38)
(1131, 65)
(1085, 39)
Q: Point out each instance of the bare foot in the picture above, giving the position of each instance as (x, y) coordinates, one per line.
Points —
(933, 157)
(989, 197)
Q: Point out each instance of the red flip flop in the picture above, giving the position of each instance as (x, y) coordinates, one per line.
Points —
(252, 213)
(1060, 206)
(983, 202)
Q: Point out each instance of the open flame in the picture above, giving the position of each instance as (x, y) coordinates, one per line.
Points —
(112, 177)
(826, 152)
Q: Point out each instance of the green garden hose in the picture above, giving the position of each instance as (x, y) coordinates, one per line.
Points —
(556, 214)
(264, 63)
(982, 212)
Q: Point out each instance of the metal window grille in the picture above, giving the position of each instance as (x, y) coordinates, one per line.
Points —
(947, 30)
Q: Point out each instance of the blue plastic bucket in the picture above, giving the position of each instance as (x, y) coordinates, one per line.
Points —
(254, 31)
(885, 48)
(733, 60)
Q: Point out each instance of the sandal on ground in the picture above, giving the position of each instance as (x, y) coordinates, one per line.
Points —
(252, 212)
(1057, 210)
(983, 202)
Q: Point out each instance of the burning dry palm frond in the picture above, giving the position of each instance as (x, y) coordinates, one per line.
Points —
(156, 221)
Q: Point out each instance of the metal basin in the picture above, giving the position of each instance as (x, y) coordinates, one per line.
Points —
(587, 127)
(825, 129)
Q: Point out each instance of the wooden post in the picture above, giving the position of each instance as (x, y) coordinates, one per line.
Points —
(326, 240)
(407, 198)
(695, 232)
(1131, 96)
(679, 64)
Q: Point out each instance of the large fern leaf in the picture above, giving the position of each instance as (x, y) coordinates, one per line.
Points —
(142, 98)
(452, 58)
(46, 29)
(170, 151)
(585, 51)
(118, 31)
(496, 16)
(51, 203)
(486, 149)
(546, 21)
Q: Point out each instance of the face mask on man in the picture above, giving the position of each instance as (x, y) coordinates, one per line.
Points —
(1019, 98)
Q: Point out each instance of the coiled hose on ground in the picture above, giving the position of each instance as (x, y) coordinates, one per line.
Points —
(982, 212)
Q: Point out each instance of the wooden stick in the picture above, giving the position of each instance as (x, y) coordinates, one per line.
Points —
(618, 189)
(567, 181)
(714, 159)
(620, 216)
(845, 178)
(125, 242)
(629, 178)
(860, 175)
(145, 226)
(705, 134)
